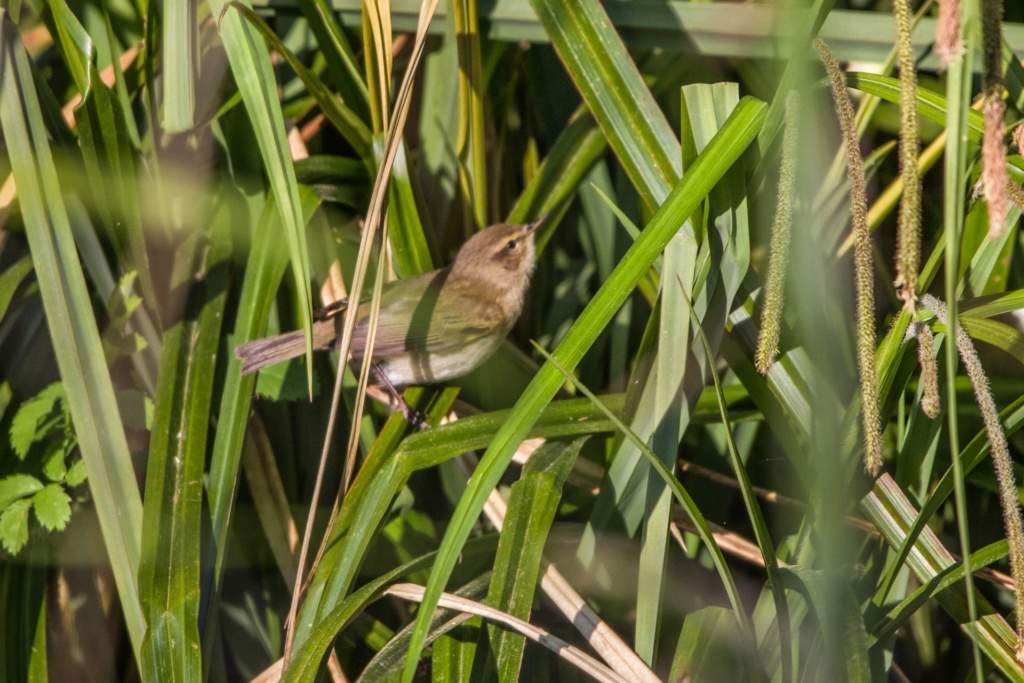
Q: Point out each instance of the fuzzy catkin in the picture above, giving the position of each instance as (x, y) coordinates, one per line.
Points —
(992, 46)
(1016, 194)
(948, 43)
(775, 283)
(908, 237)
(1001, 460)
(993, 152)
(863, 273)
(993, 166)
(930, 401)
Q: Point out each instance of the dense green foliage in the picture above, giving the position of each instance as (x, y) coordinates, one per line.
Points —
(179, 178)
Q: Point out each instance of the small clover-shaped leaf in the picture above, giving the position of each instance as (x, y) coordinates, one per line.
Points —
(76, 473)
(53, 507)
(17, 486)
(54, 466)
(14, 525)
(25, 425)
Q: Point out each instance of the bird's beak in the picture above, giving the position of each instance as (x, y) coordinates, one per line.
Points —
(530, 227)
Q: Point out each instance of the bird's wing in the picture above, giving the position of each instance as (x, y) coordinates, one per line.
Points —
(419, 324)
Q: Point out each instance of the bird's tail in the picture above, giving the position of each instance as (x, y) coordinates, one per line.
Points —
(260, 353)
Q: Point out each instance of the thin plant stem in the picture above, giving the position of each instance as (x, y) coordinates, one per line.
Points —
(958, 98)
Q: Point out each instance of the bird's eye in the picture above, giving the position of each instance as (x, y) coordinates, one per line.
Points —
(511, 245)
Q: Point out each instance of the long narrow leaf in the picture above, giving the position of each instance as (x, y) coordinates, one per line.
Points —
(180, 60)
(532, 504)
(171, 523)
(622, 105)
(73, 329)
(250, 65)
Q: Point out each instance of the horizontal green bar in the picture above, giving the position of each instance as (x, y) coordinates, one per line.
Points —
(715, 29)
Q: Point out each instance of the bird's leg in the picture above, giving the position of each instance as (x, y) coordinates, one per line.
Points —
(413, 417)
(330, 310)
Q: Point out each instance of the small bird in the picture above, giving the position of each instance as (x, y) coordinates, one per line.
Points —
(432, 327)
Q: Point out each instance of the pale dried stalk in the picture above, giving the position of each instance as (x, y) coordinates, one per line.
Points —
(580, 659)
(374, 216)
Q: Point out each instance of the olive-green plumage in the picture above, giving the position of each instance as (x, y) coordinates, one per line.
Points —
(435, 326)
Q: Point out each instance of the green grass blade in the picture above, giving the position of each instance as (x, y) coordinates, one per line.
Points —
(722, 152)
(110, 169)
(437, 166)
(387, 663)
(817, 588)
(346, 121)
(106, 136)
(11, 279)
(563, 170)
(622, 105)
(74, 332)
(309, 655)
(74, 43)
(791, 76)
(532, 504)
(971, 455)
(250, 65)
(930, 105)
(710, 648)
(341, 61)
(898, 615)
(22, 611)
(893, 515)
(682, 497)
(381, 476)
(996, 304)
(405, 229)
(120, 86)
(998, 334)
(388, 466)
(263, 275)
(664, 427)
(761, 534)
(180, 57)
(471, 144)
(172, 520)
(958, 101)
